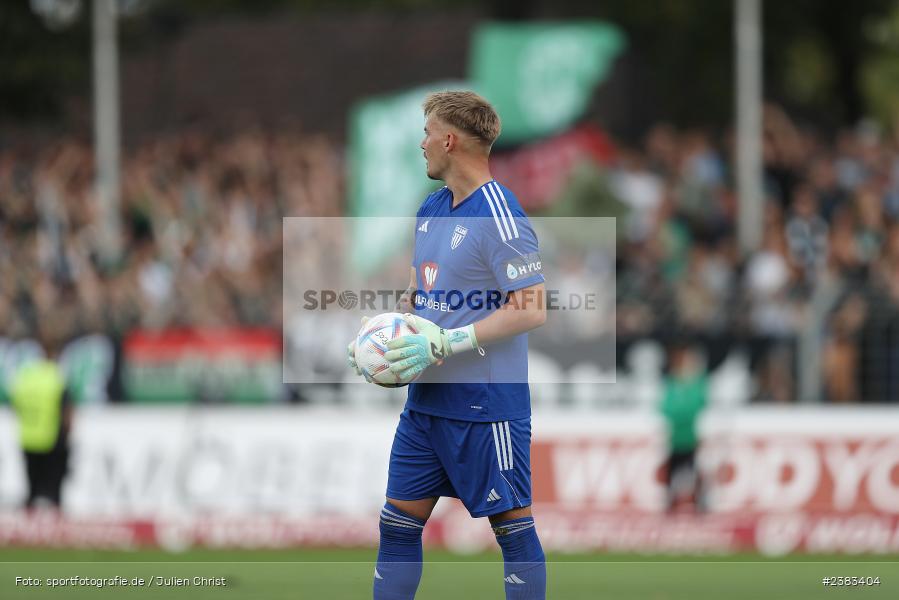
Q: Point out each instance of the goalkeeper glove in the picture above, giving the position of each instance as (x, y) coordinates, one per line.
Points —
(351, 352)
(409, 355)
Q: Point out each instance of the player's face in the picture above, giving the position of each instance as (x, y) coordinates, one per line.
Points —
(434, 146)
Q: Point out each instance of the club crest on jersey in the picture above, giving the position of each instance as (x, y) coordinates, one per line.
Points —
(428, 275)
(458, 235)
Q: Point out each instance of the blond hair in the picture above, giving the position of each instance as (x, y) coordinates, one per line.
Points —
(467, 111)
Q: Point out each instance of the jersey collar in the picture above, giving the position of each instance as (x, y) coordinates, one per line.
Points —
(477, 192)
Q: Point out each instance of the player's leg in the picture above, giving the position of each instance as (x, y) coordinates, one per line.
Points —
(415, 480)
(496, 482)
(399, 566)
(523, 558)
(524, 569)
(515, 513)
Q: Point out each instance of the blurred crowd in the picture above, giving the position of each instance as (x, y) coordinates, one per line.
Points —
(822, 289)
(201, 231)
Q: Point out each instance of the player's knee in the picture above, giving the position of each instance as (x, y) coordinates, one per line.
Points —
(509, 515)
(419, 509)
(398, 526)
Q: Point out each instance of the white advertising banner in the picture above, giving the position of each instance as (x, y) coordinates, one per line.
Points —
(777, 480)
(175, 462)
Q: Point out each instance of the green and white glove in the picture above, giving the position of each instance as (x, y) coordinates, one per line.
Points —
(409, 355)
(351, 351)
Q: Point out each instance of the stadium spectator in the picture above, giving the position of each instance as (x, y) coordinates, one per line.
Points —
(201, 229)
(201, 217)
(806, 233)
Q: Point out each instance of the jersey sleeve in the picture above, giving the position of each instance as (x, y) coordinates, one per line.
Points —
(420, 219)
(510, 247)
(422, 206)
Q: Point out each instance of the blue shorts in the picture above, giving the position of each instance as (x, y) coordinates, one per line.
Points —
(486, 465)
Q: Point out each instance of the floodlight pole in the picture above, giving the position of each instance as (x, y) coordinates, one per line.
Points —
(748, 55)
(106, 126)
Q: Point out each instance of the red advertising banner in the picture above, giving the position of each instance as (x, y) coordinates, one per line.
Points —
(173, 344)
(742, 473)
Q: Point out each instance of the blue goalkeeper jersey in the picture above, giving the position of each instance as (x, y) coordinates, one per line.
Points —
(467, 259)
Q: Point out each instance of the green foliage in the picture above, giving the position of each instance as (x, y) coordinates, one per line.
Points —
(880, 75)
(831, 60)
(827, 52)
(814, 53)
(39, 66)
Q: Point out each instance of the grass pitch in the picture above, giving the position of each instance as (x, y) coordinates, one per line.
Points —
(347, 574)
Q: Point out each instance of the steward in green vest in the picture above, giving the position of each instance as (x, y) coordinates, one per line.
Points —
(39, 398)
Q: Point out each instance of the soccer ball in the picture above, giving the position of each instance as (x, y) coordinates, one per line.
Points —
(371, 345)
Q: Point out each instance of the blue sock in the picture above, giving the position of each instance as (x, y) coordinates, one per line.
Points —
(398, 570)
(525, 564)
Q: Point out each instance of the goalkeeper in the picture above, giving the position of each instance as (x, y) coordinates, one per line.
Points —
(466, 429)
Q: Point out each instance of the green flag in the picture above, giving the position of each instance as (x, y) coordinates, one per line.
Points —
(540, 76)
(387, 169)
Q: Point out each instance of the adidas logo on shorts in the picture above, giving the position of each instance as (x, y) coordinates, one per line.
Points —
(493, 496)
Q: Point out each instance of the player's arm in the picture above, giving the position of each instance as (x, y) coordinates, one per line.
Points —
(409, 355)
(525, 310)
